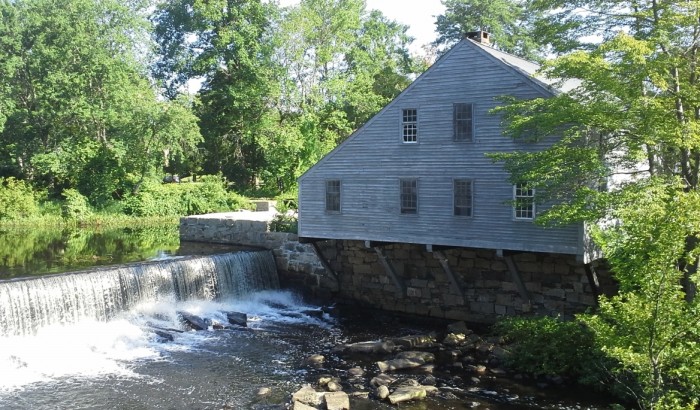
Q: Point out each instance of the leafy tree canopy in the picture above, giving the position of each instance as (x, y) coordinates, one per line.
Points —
(510, 23)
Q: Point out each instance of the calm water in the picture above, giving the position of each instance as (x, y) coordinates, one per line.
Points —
(40, 251)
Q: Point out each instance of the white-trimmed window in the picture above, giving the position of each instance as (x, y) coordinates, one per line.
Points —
(463, 190)
(462, 122)
(523, 201)
(409, 125)
(333, 195)
(409, 195)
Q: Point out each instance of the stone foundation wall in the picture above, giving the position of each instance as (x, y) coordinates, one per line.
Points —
(555, 284)
(484, 287)
(295, 261)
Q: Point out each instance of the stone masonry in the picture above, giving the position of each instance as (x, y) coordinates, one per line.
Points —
(483, 286)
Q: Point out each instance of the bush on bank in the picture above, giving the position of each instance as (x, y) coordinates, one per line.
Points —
(20, 204)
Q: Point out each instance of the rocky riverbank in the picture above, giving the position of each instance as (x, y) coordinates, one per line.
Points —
(455, 367)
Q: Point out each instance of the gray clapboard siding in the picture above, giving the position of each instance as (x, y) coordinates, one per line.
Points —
(370, 163)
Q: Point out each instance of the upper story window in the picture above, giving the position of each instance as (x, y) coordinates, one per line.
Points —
(462, 122)
(333, 195)
(463, 197)
(523, 201)
(409, 125)
(409, 196)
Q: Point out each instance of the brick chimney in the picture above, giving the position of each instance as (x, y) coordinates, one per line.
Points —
(480, 36)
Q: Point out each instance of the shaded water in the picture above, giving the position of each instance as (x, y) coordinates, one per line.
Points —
(38, 251)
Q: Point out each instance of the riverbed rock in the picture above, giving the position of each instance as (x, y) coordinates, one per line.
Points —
(416, 341)
(455, 339)
(459, 327)
(356, 372)
(382, 392)
(334, 387)
(382, 380)
(237, 318)
(163, 336)
(302, 406)
(337, 401)
(194, 322)
(263, 391)
(381, 347)
(308, 396)
(315, 360)
(406, 360)
(408, 393)
(324, 379)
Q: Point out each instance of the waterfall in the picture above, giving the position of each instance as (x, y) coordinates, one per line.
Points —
(99, 294)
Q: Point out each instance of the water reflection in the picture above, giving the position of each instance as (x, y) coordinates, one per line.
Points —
(38, 251)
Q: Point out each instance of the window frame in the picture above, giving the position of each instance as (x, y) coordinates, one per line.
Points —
(456, 137)
(334, 195)
(406, 137)
(455, 205)
(406, 199)
(519, 207)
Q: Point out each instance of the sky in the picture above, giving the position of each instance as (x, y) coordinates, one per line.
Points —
(419, 15)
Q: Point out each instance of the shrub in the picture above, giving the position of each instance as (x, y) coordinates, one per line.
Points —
(209, 195)
(551, 346)
(75, 205)
(17, 199)
(286, 218)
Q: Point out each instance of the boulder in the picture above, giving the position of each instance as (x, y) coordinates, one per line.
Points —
(302, 406)
(315, 360)
(356, 372)
(382, 380)
(406, 360)
(382, 392)
(370, 347)
(324, 379)
(459, 327)
(192, 321)
(416, 341)
(163, 336)
(455, 339)
(337, 401)
(408, 393)
(334, 387)
(308, 396)
(237, 318)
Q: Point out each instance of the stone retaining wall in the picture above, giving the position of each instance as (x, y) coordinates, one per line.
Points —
(485, 287)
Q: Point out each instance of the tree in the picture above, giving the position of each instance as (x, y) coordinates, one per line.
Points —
(80, 94)
(341, 65)
(510, 23)
(227, 45)
(629, 125)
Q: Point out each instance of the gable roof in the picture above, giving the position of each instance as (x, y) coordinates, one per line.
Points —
(529, 69)
(521, 67)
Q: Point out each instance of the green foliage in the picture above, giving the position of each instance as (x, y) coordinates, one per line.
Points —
(650, 328)
(547, 346)
(157, 199)
(75, 205)
(510, 23)
(286, 219)
(17, 199)
(627, 162)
